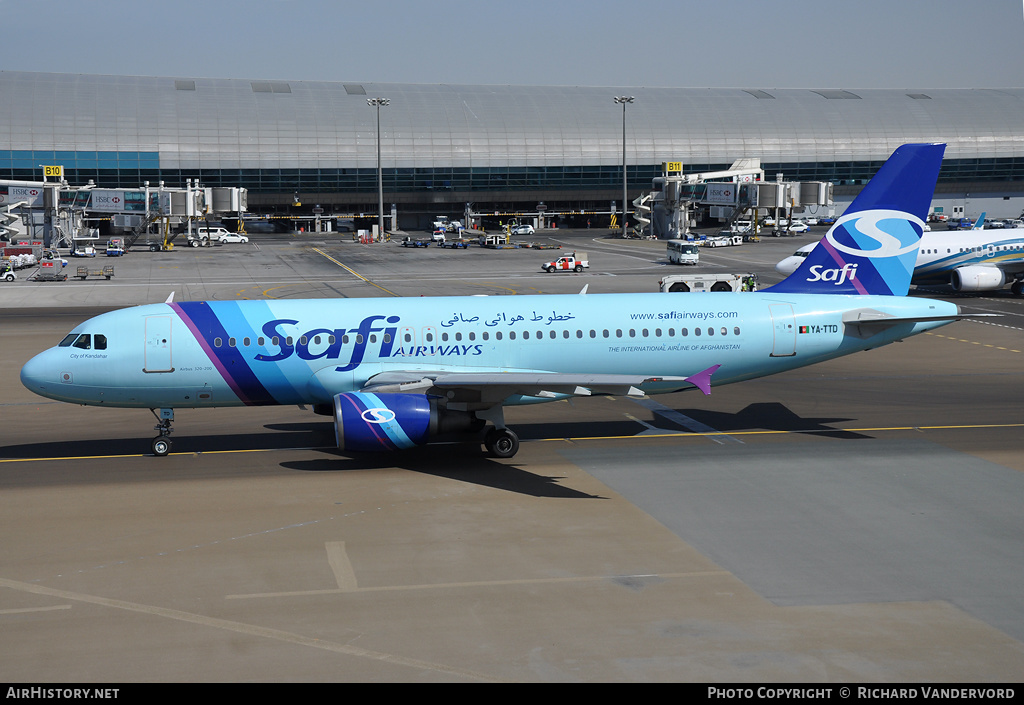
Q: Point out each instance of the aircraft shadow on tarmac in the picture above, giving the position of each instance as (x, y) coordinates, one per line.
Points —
(452, 457)
(765, 416)
(772, 416)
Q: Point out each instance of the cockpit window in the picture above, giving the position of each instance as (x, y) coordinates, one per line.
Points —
(84, 341)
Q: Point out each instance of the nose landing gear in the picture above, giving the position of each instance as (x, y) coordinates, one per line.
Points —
(162, 443)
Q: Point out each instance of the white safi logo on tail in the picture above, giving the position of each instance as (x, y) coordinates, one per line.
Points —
(872, 249)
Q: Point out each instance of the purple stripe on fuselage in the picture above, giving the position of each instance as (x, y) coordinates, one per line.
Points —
(228, 360)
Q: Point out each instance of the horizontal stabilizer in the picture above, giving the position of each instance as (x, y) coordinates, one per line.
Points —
(866, 322)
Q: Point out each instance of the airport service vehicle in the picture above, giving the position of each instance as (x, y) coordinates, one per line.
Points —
(232, 237)
(968, 260)
(572, 262)
(682, 252)
(84, 272)
(455, 244)
(49, 271)
(204, 236)
(447, 226)
(495, 241)
(395, 373)
(438, 236)
(708, 282)
(52, 255)
(724, 238)
(408, 241)
(7, 272)
(115, 247)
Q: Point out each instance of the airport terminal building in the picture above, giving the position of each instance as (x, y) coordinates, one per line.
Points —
(499, 148)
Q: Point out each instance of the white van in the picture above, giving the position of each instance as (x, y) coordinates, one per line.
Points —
(683, 252)
(203, 236)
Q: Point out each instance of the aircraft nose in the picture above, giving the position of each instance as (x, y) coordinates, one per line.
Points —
(37, 375)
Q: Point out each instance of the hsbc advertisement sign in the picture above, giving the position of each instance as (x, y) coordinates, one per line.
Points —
(104, 200)
(33, 195)
(721, 193)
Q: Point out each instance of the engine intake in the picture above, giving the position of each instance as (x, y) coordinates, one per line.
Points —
(383, 422)
(977, 277)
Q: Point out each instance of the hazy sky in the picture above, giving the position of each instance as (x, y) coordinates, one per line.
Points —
(718, 43)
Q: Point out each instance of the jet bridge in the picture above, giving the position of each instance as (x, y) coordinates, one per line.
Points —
(668, 210)
(69, 215)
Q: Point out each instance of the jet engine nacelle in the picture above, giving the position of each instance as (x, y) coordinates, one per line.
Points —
(381, 422)
(977, 277)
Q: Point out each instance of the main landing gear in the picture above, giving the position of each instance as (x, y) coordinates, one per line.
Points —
(162, 443)
(501, 442)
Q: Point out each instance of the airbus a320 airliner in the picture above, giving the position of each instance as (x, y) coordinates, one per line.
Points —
(396, 373)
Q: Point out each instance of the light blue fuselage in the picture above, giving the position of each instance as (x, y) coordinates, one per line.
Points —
(206, 354)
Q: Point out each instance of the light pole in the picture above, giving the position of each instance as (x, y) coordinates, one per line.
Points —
(380, 179)
(623, 100)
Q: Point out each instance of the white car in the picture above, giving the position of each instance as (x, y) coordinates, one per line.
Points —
(798, 227)
(233, 237)
(522, 230)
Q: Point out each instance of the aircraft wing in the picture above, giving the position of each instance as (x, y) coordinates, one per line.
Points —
(1010, 267)
(493, 387)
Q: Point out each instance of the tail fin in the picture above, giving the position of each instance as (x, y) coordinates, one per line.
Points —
(872, 248)
(979, 224)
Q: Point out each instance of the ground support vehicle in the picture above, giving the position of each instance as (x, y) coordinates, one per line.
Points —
(18, 257)
(414, 242)
(539, 246)
(49, 271)
(115, 247)
(725, 238)
(455, 244)
(496, 242)
(708, 282)
(682, 252)
(7, 272)
(573, 262)
(83, 271)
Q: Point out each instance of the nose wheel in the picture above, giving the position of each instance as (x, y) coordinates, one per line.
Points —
(161, 446)
(162, 443)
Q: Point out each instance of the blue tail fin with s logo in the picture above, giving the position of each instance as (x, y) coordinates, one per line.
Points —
(872, 248)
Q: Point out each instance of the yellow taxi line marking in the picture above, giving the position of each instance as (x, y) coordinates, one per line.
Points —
(564, 439)
(352, 271)
(971, 342)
